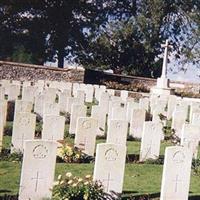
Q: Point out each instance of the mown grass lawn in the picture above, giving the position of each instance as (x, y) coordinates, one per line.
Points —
(140, 179)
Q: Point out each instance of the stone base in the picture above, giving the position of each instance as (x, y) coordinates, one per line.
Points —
(160, 91)
(162, 83)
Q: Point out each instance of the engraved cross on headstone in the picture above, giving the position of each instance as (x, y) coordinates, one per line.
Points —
(108, 180)
(149, 146)
(164, 67)
(37, 178)
(176, 183)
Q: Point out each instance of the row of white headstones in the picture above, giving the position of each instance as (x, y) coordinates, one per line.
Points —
(120, 111)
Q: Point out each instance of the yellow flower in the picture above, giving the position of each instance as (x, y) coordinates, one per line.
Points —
(68, 174)
(88, 176)
(77, 156)
(59, 177)
(55, 183)
(61, 182)
(74, 185)
(70, 182)
(80, 179)
(86, 183)
(85, 197)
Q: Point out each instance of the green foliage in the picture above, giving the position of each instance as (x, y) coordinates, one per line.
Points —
(74, 188)
(5, 155)
(21, 55)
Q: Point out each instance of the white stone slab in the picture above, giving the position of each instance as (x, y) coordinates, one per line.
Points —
(190, 138)
(23, 129)
(176, 174)
(76, 112)
(51, 109)
(109, 166)
(38, 170)
(137, 120)
(86, 132)
(53, 127)
(28, 93)
(151, 138)
(99, 113)
(117, 132)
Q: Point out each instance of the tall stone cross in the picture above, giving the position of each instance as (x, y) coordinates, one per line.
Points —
(164, 67)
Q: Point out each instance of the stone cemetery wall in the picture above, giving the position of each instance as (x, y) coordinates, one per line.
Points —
(29, 72)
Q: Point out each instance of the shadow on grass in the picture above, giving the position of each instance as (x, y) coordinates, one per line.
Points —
(196, 197)
(129, 195)
(9, 197)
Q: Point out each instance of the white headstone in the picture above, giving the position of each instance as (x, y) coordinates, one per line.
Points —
(171, 106)
(51, 109)
(144, 104)
(190, 138)
(176, 173)
(38, 170)
(13, 92)
(76, 112)
(23, 106)
(2, 93)
(137, 120)
(86, 132)
(99, 113)
(109, 166)
(23, 129)
(28, 93)
(53, 127)
(89, 93)
(104, 101)
(63, 96)
(117, 132)
(151, 138)
(118, 113)
(131, 105)
(124, 95)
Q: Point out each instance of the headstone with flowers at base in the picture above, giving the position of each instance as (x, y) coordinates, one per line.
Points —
(86, 132)
(176, 173)
(38, 170)
(109, 167)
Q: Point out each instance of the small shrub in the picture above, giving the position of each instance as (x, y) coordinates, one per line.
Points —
(70, 154)
(5, 155)
(196, 166)
(75, 188)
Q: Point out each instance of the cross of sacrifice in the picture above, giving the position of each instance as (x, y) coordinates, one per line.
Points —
(108, 180)
(176, 183)
(36, 180)
(164, 67)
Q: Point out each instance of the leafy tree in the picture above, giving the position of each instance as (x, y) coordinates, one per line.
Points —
(131, 41)
(52, 29)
